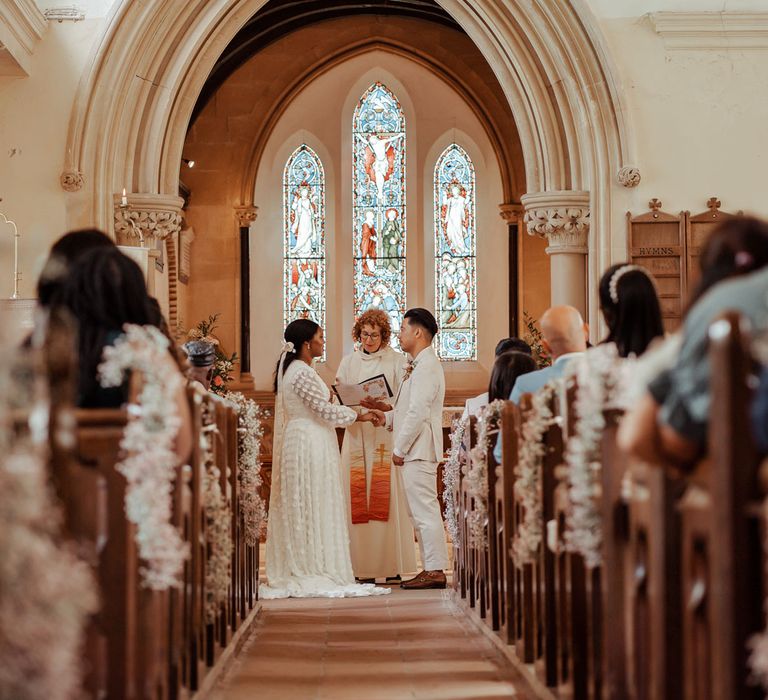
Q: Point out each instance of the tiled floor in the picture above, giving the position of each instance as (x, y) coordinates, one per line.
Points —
(409, 644)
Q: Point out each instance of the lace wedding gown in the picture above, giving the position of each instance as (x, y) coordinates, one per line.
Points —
(307, 536)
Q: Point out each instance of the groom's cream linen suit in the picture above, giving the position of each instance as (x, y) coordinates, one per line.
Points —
(417, 423)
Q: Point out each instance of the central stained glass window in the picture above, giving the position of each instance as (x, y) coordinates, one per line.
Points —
(378, 208)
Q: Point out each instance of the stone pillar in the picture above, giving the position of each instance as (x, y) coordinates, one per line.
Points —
(510, 214)
(143, 222)
(562, 217)
(245, 216)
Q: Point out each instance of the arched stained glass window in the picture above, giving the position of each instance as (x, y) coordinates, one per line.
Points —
(378, 209)
(304, 237)
(455, 247)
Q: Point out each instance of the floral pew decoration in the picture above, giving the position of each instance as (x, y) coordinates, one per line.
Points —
(250, 434)
(149, 461)
(48, 593)
(476, 472)
(602, 383)
(451, 473)
(527, 473)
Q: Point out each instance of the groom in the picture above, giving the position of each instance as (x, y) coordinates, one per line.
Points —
(417, 422)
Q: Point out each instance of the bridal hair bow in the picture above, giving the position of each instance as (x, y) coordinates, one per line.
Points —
(288, 347)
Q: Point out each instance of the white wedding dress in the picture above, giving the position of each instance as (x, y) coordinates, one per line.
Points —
(307, 535)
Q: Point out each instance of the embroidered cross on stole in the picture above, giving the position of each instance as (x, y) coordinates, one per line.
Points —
(375, 506)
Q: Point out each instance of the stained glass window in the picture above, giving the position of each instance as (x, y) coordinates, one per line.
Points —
(304, 237)
(455, 286)
(378, 209)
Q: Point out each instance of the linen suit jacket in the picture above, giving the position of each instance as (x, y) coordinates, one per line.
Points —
(417, 418)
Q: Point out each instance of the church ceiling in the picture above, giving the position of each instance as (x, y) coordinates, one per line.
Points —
(279, 18)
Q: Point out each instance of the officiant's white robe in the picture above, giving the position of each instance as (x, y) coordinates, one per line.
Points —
(379, 548)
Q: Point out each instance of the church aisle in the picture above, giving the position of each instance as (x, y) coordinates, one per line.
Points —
(410, 645)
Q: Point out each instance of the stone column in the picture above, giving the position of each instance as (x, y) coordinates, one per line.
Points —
(562, 217)
(245, 216)
(510, 214)
(142, 224)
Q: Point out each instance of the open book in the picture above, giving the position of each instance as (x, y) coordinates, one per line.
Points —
(376, 388)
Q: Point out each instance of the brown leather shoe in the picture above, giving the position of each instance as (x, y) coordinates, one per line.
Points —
(424, 580)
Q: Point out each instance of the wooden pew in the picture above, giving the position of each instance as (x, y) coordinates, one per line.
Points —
(722, 553)
(494, 550)
(504, 511)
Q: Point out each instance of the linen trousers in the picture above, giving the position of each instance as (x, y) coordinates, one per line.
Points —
(420, 485)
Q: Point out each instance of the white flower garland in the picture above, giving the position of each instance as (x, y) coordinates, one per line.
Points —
(477, 473)
(600, 374)
(217, 517)
(47, 592)
(149, 464)
(527, 539)
(250, 434)
(451, 472)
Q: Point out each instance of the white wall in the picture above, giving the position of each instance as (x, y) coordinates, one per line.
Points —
(34, 119)
(321, 116)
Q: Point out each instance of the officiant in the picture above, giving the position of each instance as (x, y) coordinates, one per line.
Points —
(380, 532)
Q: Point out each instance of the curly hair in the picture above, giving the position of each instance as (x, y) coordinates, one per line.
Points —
(373, 317)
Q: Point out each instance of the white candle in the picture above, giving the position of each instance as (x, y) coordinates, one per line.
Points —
(124, 199)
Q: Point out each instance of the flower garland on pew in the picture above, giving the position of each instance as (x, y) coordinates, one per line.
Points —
(527, 472)
(149, 461)
(217, 519)
(451, 476)
(249, 436)
(477, 473)
(47, 591)
(600, 376)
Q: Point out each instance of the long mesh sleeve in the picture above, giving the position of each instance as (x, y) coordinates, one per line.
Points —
(315, 397)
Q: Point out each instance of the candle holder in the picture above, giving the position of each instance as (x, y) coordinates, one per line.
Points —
(16, 273)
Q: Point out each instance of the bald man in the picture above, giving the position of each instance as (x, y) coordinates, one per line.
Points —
(564, 336)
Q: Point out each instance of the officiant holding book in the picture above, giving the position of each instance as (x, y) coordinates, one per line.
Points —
(380, 530)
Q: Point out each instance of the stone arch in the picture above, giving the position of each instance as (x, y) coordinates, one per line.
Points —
(133, 106)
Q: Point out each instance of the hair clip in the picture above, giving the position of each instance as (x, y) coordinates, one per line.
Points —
(613, 285)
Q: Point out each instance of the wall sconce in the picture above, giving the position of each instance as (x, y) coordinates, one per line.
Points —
(189, 163)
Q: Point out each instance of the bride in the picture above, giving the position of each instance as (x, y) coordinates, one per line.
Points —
(307, 536)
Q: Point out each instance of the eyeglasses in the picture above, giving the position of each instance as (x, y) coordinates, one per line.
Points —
(370, 336)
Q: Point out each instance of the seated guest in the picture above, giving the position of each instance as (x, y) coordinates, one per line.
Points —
(564, 337)
(630, 308)
(760, 413)
(64, 254)
(473, 405)
(103, 291)
(507, 368)
(202, 357)
(669, 423)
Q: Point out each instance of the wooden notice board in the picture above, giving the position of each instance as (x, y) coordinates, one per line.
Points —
(657, 243)
(698, 227)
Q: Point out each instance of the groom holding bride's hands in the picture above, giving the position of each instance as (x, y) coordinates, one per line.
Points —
(416, 421)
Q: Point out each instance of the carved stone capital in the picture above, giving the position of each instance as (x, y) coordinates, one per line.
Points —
(146, 218)
(628, 176)
(246, 215)
(510, 212)
(562, 217)
(72, 180)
